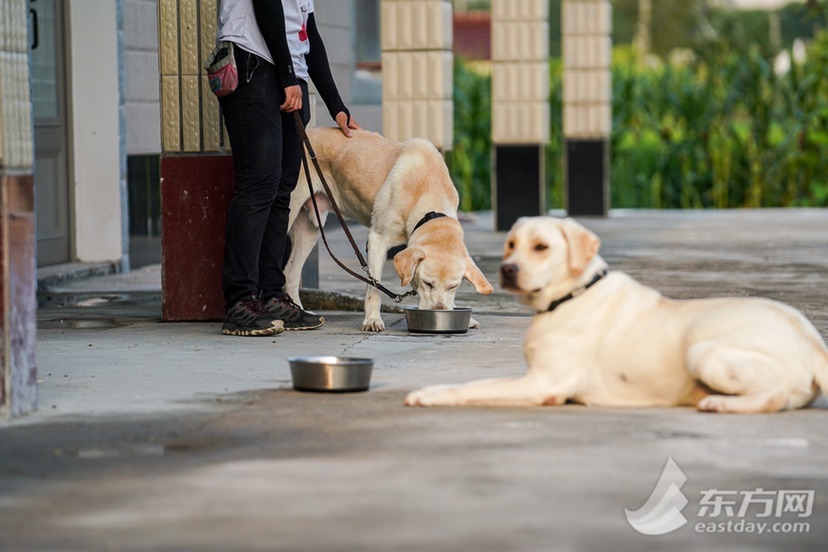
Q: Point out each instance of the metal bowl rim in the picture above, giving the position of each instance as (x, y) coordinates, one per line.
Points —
(325, 360)
(456, 309)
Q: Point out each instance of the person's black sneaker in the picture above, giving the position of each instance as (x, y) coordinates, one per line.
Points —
(248, 317)
(282, 307)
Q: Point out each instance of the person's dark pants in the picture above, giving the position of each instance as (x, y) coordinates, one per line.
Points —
(267, 155)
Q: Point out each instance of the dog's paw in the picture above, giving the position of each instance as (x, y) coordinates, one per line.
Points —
(708, 405)
(373, 324)
(474, 324)
(434, 395)
(745, 404)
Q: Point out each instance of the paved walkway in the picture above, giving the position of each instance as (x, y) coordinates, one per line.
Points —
(169, 436)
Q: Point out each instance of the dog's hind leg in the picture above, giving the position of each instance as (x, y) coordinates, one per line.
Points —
(752, 403)
(304, 235)
(750, 381)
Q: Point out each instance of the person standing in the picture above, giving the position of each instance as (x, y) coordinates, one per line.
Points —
(278, 49)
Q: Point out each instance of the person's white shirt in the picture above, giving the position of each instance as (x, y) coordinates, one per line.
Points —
(237, 24)
(296, 25)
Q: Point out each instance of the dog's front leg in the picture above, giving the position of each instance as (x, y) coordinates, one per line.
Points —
(523, 391)
(377, 250)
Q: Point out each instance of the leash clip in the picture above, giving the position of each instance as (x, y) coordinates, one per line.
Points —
(398, 298)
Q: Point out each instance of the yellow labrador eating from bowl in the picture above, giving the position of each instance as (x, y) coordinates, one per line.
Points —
(604, 339)
(403, 193)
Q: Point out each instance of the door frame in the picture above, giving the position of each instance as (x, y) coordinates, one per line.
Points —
(57, 129)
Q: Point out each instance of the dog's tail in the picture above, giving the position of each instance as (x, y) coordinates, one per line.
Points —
(324, 207)
(814, 341)
(820, 358)
(821, 371)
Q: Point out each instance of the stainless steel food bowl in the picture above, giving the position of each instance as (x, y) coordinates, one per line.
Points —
(454, 321)
(330, 373)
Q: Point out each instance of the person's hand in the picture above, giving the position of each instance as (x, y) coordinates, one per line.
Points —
(344, 125)
(293, 99)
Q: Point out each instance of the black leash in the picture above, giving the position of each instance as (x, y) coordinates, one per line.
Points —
(370, 280)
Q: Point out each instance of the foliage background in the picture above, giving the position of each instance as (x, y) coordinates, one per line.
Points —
(707, 124)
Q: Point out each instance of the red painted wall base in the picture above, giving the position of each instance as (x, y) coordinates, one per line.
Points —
(195, 195)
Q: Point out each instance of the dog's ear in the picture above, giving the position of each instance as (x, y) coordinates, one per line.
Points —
(475, 276)
(583, 245)
(405, 262)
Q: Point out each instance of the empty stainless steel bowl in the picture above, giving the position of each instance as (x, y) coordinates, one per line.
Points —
(454, 321)
(331, 373)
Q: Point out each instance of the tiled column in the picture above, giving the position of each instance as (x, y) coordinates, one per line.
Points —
(196, 172)
(587, 99)
(520, 108)
(417, 81)
(18, 275)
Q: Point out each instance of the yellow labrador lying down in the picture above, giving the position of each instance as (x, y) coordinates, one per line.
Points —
(403, 193)
(604, 339)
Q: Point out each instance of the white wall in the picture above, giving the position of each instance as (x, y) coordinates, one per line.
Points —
(143, 105)
(94, 129)
(336, 24)
(334, 20)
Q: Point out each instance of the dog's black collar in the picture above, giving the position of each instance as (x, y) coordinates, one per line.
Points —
(571, 295)
(431, 215)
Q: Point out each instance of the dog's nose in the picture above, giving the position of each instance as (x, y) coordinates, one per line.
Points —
(508, 274)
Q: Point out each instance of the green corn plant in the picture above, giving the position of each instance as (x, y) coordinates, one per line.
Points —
(469, 161)
(720, 131)
(554, 150)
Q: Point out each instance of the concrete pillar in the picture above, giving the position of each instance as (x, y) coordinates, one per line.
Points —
(520, 108)
(417, 70)
(18, 274)
(97, 170)
(587, 104)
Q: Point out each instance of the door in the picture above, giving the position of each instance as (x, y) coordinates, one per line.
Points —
(49, 109)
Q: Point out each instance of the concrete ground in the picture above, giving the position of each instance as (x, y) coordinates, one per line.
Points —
(170, 437)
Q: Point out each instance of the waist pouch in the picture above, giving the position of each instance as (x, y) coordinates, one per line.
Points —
(221, 69)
